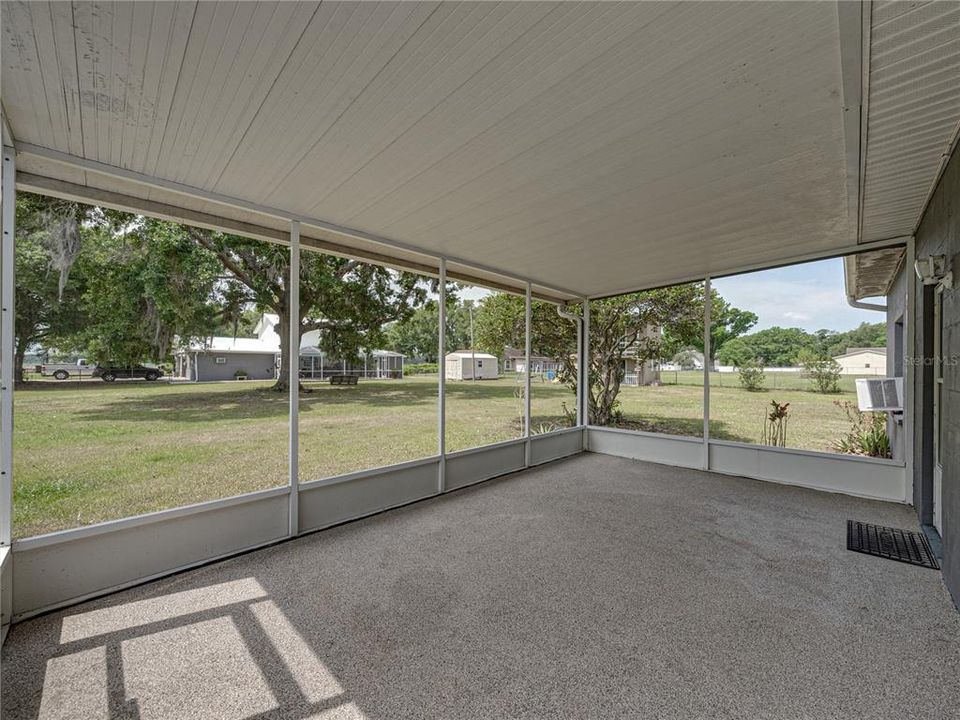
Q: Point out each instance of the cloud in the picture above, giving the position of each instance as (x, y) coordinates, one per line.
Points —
(809, 296)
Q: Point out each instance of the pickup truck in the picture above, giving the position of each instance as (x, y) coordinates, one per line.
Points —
(63, 371)
(111, 371)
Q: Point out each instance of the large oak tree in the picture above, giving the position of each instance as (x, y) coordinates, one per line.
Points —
(626, 326)
(47, 288)
(348, 301)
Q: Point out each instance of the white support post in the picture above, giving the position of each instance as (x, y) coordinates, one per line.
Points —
(580, 414)
(707, 307)
(294, 377)
(585, 369)
(9, 196)
(442, 381)
(526, 379)
(910, 320)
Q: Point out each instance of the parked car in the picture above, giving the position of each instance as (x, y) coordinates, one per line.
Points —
(111, 371)
(63, 371)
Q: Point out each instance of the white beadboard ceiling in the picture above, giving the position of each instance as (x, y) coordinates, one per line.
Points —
(589, 147)
(913, 110)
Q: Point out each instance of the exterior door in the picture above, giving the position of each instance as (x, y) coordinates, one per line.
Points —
(938, 410)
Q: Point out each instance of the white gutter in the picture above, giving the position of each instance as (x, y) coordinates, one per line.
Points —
(850, 286)
(860, 305)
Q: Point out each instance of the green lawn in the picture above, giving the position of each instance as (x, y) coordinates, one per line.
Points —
(89, 452)
(814, 422)
(676, 407)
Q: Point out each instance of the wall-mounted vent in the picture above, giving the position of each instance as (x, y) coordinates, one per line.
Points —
(880, 394)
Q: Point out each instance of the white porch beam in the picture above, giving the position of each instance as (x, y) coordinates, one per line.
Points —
(43, 185)
(384, 244)
(843, 251)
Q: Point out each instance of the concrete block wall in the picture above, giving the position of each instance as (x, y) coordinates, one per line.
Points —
(939, 234)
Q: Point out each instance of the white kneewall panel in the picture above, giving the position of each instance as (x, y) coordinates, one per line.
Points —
(329, 502)
(850, 474)
(555, 445)
(80, 564)
(472, 466)
(664, 449)
(6, 590)
(867, 477)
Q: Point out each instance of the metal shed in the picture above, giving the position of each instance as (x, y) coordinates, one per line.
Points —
(470, 365)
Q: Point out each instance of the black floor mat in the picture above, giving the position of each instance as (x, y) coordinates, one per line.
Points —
(891, 543)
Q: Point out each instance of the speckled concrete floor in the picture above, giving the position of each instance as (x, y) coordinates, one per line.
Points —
(591, 587)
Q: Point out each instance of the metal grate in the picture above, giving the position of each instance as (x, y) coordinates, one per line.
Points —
(890, 543)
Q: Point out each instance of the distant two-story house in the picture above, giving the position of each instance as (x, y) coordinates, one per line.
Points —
(516, 361)
(636, 372)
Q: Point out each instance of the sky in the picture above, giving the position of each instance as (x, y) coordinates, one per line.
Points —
(809, 296)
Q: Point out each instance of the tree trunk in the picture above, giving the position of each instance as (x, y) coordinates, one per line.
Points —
(605, 388)
(283, 375)
(19, 356)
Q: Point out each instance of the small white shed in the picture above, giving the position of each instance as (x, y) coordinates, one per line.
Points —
(863, 361)
(467, 365)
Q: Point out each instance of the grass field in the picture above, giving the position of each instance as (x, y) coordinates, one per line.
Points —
(676, 407)
(89, 452)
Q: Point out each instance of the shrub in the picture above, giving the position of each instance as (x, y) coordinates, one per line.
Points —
(544, 428)
(825, 373)
(775, 425)
(421, 369)
(751, 375)
(868, 434)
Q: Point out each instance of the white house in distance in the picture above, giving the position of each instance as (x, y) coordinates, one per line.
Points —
(863, 361)
(516, 360)
(258, 358)
(470, 365)
(640, 373)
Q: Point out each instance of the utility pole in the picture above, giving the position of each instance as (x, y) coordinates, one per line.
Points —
(473, 350)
